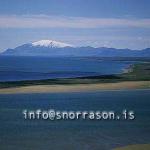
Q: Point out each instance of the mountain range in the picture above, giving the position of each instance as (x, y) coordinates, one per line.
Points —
(56, 49)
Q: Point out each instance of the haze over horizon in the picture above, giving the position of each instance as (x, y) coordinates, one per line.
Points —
(105, 23)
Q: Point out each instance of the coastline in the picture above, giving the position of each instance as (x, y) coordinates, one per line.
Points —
(135, 147)
(125, 85)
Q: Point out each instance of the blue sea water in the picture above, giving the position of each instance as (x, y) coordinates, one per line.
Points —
(19, 134)
(34, 68)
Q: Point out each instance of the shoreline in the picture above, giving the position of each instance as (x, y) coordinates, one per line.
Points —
(125, 85)
(134, 147)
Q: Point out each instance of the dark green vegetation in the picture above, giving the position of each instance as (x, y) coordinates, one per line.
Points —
(137, 72)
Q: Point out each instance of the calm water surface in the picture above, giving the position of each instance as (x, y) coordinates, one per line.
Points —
(34, 68)
(19, 134)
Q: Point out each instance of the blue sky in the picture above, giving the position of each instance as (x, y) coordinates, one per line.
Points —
(110, 23)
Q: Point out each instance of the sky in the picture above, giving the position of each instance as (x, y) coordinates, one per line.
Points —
(97, 23)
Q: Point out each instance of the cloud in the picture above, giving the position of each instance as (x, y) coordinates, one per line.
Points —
(44, 21)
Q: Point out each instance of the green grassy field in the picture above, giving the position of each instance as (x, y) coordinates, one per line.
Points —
(138, 72)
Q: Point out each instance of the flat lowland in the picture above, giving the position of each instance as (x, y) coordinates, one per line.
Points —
(77, 87)
(135, 147)
(137, 77)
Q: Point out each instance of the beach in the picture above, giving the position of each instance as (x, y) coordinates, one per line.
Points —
(76, 87)
(135, 147)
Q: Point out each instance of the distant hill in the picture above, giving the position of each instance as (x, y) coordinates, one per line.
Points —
(56, 49)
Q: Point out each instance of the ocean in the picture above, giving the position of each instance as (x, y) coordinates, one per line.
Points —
(35, 68)
(20, 134)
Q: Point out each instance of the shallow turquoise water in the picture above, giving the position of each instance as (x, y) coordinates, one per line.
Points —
(19, 134)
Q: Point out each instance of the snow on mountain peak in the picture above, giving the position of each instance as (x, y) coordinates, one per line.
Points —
(51, 43)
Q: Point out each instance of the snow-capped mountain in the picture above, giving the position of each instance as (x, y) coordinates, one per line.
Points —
(56, 49)
(51, 44)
